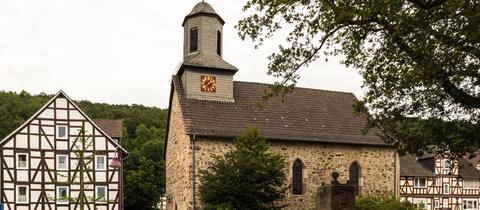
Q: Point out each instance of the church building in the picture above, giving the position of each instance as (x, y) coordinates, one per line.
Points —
(315, 130)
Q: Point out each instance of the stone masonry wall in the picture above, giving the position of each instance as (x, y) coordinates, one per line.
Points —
(178, 161)
(377, 166)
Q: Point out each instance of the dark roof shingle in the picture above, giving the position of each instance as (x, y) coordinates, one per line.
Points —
(305, 115)
(112, 127)
(468, 169)
(409, 166)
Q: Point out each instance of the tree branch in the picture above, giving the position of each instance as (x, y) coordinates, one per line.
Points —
(459, 96)
(426, 5)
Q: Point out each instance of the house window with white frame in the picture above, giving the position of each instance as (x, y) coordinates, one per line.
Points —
(470, 183)
(62, 132)
(62, 162)
(101, 194)
(100, 162)
(22, 161)
(420, 182)
(62, 194)
(22, 194)
(437, 203)
(446, 189)
(470, 204)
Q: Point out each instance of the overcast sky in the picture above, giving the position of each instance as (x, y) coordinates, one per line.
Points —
(125, 51)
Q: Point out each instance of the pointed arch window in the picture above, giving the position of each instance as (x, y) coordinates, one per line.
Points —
(193, 39)
(297, 179)
(219, 43)
(354, 176)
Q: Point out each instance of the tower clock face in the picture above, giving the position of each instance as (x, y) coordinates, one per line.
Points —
(208, 84)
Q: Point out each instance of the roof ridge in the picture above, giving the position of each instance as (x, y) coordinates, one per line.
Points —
(297, 87)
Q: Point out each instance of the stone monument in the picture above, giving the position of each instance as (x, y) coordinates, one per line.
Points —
(336, 196)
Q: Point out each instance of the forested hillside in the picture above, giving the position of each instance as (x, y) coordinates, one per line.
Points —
(144, 131)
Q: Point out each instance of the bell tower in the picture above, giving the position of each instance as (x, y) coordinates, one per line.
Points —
(204, 74)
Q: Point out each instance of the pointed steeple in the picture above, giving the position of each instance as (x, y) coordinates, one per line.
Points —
(204, 73)
(203, 30)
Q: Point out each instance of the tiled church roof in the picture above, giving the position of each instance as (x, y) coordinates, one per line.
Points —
(304, 115)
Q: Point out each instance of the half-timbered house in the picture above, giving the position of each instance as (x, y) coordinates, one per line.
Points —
(59, 159)
(439, 183)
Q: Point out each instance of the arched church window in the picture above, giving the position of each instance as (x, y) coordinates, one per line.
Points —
(193, 39)
(297, 179)
(219, 43)
(354, 176)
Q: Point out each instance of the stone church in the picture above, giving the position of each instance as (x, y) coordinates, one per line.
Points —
(315, 130)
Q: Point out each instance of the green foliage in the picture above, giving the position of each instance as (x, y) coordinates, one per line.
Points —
(247, 177)
(373, 203)
(144, 134)
(16, 108)
(418, 58)
(145, 169)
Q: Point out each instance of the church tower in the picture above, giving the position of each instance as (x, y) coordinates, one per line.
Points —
(204, 74)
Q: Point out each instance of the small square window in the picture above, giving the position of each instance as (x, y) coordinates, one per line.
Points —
(22, 194)
(62, 132)
(100, 162)
(420, 182)
(101, 194)
(62, 162)
(62, 194)
(22, 161)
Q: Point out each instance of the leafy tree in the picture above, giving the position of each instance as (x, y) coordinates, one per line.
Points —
(145, 169)
(419, 59)
(248, 177)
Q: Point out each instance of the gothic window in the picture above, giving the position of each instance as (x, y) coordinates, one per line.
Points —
(354, 175)
(297, 182)
(219, 43)
(193, 39)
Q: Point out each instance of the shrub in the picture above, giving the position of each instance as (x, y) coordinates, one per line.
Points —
(373, 203)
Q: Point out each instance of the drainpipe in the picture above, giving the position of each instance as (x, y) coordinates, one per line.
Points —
(395, 173)
(193, 171)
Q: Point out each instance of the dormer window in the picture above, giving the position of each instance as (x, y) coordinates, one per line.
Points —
(219, 43)
(193, 40)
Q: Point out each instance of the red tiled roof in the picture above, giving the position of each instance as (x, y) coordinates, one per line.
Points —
(304, 115)
(112, 127)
